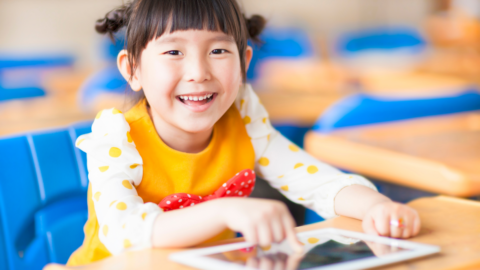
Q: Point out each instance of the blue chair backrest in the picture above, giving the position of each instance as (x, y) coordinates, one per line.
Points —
(21, 92)
(107, 80)
(280, 43)
(363, 109)
(30, 86)
(43, 204)
(9, 61)
(380, 39)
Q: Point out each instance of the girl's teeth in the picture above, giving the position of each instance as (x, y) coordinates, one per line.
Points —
(196, 98)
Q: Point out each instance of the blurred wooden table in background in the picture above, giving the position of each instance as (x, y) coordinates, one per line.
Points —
(438, 154)
(57, 108)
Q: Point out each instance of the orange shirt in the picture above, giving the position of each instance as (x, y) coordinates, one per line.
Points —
(167, 171)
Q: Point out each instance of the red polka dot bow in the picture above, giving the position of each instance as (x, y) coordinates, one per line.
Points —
(241, 185)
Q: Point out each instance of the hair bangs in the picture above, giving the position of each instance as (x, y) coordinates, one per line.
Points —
(180, 15)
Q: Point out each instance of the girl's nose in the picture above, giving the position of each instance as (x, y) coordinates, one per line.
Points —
(197, 70)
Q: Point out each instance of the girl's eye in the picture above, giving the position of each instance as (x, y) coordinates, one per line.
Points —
(219, 51)
(174, 52)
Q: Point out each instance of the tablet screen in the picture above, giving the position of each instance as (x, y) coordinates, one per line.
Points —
(319, 251)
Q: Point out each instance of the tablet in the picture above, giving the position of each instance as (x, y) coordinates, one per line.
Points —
(323, 249)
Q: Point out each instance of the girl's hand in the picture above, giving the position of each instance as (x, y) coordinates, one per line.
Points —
(260, 221)
(391, 219)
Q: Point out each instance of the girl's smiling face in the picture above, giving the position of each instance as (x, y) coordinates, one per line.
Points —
(190, 78)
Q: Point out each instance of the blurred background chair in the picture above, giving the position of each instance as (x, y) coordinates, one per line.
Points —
(108, 82)
(392, 48)
(43, 205)
(364, 109)
(20, 76)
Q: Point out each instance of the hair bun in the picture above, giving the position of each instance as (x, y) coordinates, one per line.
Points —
(255, 25)
(113, 21)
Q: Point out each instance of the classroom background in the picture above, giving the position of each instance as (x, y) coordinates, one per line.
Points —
(384, 88)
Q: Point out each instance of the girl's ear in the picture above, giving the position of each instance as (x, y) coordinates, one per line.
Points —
(248, 57)
(124, 67)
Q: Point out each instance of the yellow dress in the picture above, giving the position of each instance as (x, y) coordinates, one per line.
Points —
(167, 171)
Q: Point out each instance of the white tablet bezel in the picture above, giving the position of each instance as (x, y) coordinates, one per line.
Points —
(196, 258)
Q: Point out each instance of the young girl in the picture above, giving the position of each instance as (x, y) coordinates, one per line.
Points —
(199, 125)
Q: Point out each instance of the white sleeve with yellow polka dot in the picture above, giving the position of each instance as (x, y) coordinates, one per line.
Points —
(297, 175)
(114, 169)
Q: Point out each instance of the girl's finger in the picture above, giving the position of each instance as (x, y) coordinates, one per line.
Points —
(416, 224)
(250, 235)
(382, 224)
(289, 228)
(408, 229)
(277, 230)
(264, 234)
(369, 226)
(397, 225)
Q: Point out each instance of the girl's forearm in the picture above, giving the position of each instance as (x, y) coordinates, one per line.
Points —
(189, 226)
(355, 200)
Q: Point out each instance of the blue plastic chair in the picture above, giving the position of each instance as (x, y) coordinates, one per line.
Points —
(18, 62)
(107, 80)
(362, 109)
(279, 43)
(384, 39)
(43, 205)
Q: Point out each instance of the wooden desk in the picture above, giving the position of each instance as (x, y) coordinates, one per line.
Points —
(451, 223)
(301, 109)
(436, 154)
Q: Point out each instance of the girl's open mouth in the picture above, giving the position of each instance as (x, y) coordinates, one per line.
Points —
(197, 102)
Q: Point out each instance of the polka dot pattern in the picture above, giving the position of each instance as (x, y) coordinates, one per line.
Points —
(293, 148)
(127, 184)
(241, 185)
(97, 196)
(312, 169)
(264, 161)
(80, 141)
(284, 188)
(105, 230)
(103, 168)
(312, 240)
(99, 114)
(144, 215)
(115, 152)
(112, 203)
(126, 243)
(129, 137)
(247, 120)
(121, 206)
(133, 166)
(298, 165)
(264, 120)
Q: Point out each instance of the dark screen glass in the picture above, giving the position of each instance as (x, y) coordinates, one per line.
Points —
(326, 253)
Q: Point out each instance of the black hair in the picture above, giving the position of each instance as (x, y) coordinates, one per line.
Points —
(148, 19)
